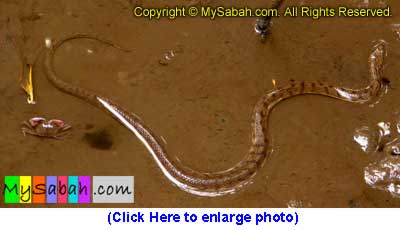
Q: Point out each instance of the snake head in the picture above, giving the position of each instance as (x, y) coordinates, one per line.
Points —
(377, 58)
(392, 148)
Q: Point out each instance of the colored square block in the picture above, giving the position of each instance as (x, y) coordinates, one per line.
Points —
(25, 194)
(62, 195)
(73, 189)
(84, 189)
(39, 189)
(51, 189)
(11, 189)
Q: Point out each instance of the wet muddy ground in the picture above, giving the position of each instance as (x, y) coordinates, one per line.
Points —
(200, 102)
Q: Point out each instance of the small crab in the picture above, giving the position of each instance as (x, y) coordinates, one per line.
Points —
(39, 126)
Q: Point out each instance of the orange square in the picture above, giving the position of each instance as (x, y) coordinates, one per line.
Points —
(39, 189)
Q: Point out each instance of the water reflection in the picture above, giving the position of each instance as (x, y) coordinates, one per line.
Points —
(384, 175)
(383, 172)
(368, 139)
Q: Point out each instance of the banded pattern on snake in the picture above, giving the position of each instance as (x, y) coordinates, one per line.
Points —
(232, 179)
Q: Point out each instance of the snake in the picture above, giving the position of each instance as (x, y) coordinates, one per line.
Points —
(228, 181)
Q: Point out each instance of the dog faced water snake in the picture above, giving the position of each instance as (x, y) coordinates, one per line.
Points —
(230, 180)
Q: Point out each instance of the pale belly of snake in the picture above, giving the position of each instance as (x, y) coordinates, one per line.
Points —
(234, 178)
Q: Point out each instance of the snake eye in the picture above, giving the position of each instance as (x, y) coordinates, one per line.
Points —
(35, 121)
(57, 123)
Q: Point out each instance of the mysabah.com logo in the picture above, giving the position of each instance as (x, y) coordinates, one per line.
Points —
(68, 189)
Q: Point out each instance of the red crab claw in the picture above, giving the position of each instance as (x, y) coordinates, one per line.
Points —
(58, 123)
(35, 121)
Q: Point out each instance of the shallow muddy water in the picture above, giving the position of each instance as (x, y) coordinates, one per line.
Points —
(194, 82)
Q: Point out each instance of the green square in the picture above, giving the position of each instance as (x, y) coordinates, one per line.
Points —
(11, 189)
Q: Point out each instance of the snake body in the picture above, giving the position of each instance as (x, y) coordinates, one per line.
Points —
(234, 178)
